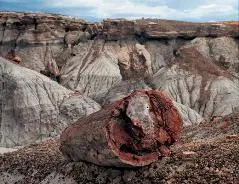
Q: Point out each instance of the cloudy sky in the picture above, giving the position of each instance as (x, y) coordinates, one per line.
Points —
(95, 10)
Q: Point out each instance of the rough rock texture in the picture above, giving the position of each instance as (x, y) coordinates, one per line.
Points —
(195, 63)
(134, 131)
(33, 107)
(224, 51)
(135, 64)
(93, 68)
(155, 29)
(188, 115)
(198, 83)
(40, 38)
(207, 153)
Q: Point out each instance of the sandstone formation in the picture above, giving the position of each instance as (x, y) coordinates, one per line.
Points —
(156, 28)
(195, 63)
(134, 131)
(33, 107)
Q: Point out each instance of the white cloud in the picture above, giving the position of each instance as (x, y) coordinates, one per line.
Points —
(209, 10)
(128, 9)
(73, 3)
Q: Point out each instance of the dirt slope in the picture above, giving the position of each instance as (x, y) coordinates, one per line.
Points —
(208, 153)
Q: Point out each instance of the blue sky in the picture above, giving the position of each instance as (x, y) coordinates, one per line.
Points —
(95, 10)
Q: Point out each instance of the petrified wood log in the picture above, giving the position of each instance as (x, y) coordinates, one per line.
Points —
(134, 131)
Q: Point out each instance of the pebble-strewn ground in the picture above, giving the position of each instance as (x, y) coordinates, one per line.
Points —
(207, 153)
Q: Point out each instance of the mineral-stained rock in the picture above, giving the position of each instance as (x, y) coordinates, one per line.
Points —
(155, 29)
(33, 107)
(134, 131)
(222, 50)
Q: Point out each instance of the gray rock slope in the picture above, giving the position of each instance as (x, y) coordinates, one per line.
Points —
(198, 83)
(33, 107)
(218, 97)
(93, 69)
(196, 64)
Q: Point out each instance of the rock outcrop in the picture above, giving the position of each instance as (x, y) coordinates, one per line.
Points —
(135, 64)
(197, 64)
(121, 65)
(34, 36)
(198, 83)
(93, 68)
(33, 107)
(156, 28)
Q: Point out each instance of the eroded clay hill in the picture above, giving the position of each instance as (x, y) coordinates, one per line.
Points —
(33, 107)
(55, 70)
(196, 64)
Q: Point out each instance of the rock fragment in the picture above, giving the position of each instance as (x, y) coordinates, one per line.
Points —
(135, 64)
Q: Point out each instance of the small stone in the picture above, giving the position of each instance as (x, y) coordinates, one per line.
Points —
(188, 153)
(129, 176)
(224, 125)
(116, 180)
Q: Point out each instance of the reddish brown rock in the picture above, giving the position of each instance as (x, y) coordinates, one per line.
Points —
(134, 131)
(157, 28)
(11, 56)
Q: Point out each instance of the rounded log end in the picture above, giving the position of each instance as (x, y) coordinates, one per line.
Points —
(145, 126)
(134, 131)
